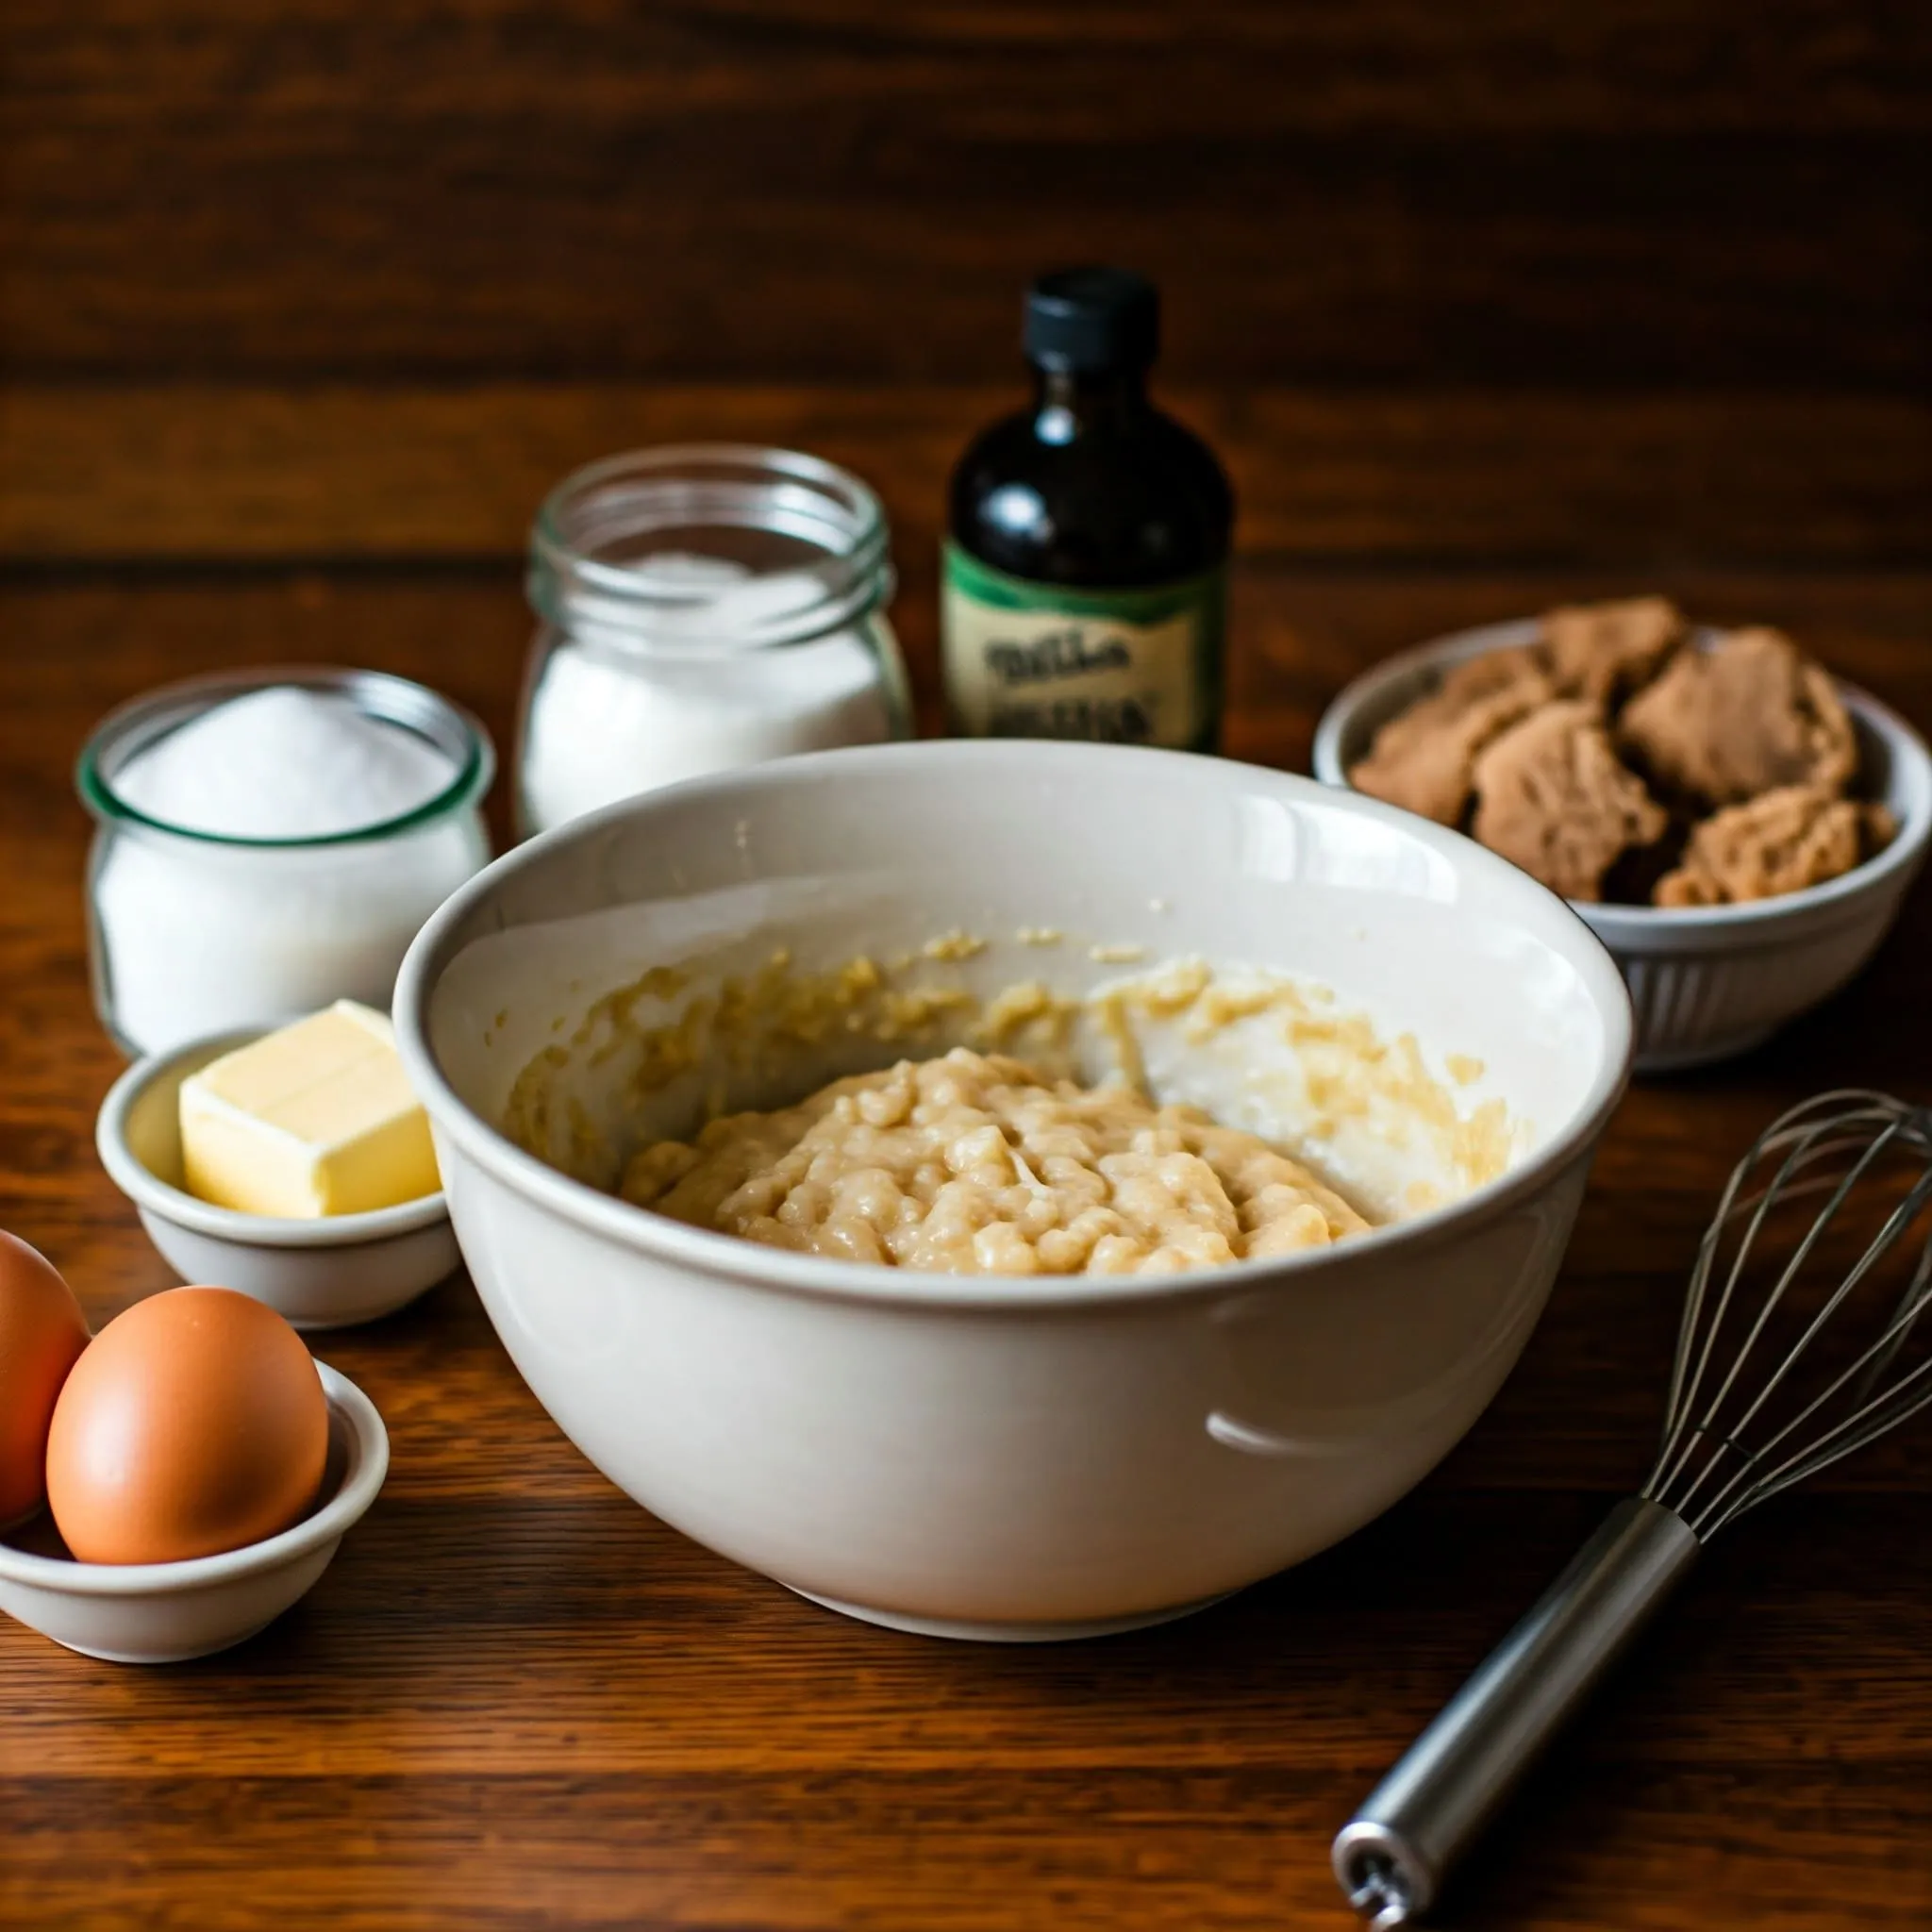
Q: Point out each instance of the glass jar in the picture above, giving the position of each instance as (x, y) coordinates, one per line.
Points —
(702, 607)
(192, 933)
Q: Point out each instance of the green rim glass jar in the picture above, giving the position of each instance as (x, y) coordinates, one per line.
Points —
(192, 933)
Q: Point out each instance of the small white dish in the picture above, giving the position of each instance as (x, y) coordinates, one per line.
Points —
(333, 1272)
(164, 1613)
(1707, 982)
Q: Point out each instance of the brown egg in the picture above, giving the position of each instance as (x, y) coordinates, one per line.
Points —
(41, 1335)
(196, 1423)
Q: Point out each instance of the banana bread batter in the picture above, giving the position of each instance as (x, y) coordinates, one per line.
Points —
(977, 1164)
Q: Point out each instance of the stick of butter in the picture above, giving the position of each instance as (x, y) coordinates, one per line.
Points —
(315, 1119)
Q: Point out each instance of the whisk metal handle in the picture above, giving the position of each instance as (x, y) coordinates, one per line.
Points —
(1393, 1857)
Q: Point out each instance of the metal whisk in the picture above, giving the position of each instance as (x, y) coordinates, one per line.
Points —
(1783, 1366)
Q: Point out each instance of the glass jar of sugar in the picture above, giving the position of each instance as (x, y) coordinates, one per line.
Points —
(270, 842)
(702, 607)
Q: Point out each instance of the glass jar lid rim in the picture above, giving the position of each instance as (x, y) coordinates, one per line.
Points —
(831, 516)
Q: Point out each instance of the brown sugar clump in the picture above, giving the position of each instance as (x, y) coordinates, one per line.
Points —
(1605, 651)
(1551, 798)
(1423, 759)
(1780, 842)
(1752, 715)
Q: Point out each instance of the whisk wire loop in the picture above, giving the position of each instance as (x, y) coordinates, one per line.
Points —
(1707, 1471)
(1796, 1354)
(1874, 1418)
(1682, 1437)
(1786, 1127)
(1875, 1358)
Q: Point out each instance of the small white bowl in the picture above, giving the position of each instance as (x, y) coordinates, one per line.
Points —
(164, 1613)
(333, 1272)
(1708, 982)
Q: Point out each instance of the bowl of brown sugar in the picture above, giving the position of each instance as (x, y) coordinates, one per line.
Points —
(1736, 824)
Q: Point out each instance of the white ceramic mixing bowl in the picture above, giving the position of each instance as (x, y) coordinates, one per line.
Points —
(992, 1456)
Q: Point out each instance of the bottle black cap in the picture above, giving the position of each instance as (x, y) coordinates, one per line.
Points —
(1092, 318)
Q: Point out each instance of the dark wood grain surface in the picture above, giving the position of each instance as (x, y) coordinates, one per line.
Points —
(302, 308)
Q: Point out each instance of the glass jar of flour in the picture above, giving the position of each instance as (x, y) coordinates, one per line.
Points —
(270, 842)
(702, 607)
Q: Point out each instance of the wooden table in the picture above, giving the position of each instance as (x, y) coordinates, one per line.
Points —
(303, 307)
(517, 1699)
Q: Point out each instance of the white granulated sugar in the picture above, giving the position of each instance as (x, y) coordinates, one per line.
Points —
(600, 728)
(198, 937)
(283, 763)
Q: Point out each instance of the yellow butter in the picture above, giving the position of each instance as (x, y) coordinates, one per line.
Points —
(315, 1119)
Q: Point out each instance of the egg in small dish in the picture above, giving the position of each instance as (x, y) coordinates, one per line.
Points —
(195, 1424)
(42, 1333)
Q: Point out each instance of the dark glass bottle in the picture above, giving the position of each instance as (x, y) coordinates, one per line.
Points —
(1083, 584)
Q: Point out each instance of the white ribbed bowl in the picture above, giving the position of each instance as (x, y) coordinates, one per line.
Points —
(1706, 981)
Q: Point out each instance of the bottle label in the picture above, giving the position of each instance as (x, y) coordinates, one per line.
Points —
(1026, 659)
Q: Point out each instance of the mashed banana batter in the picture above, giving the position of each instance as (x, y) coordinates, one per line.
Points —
(977, 1164)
